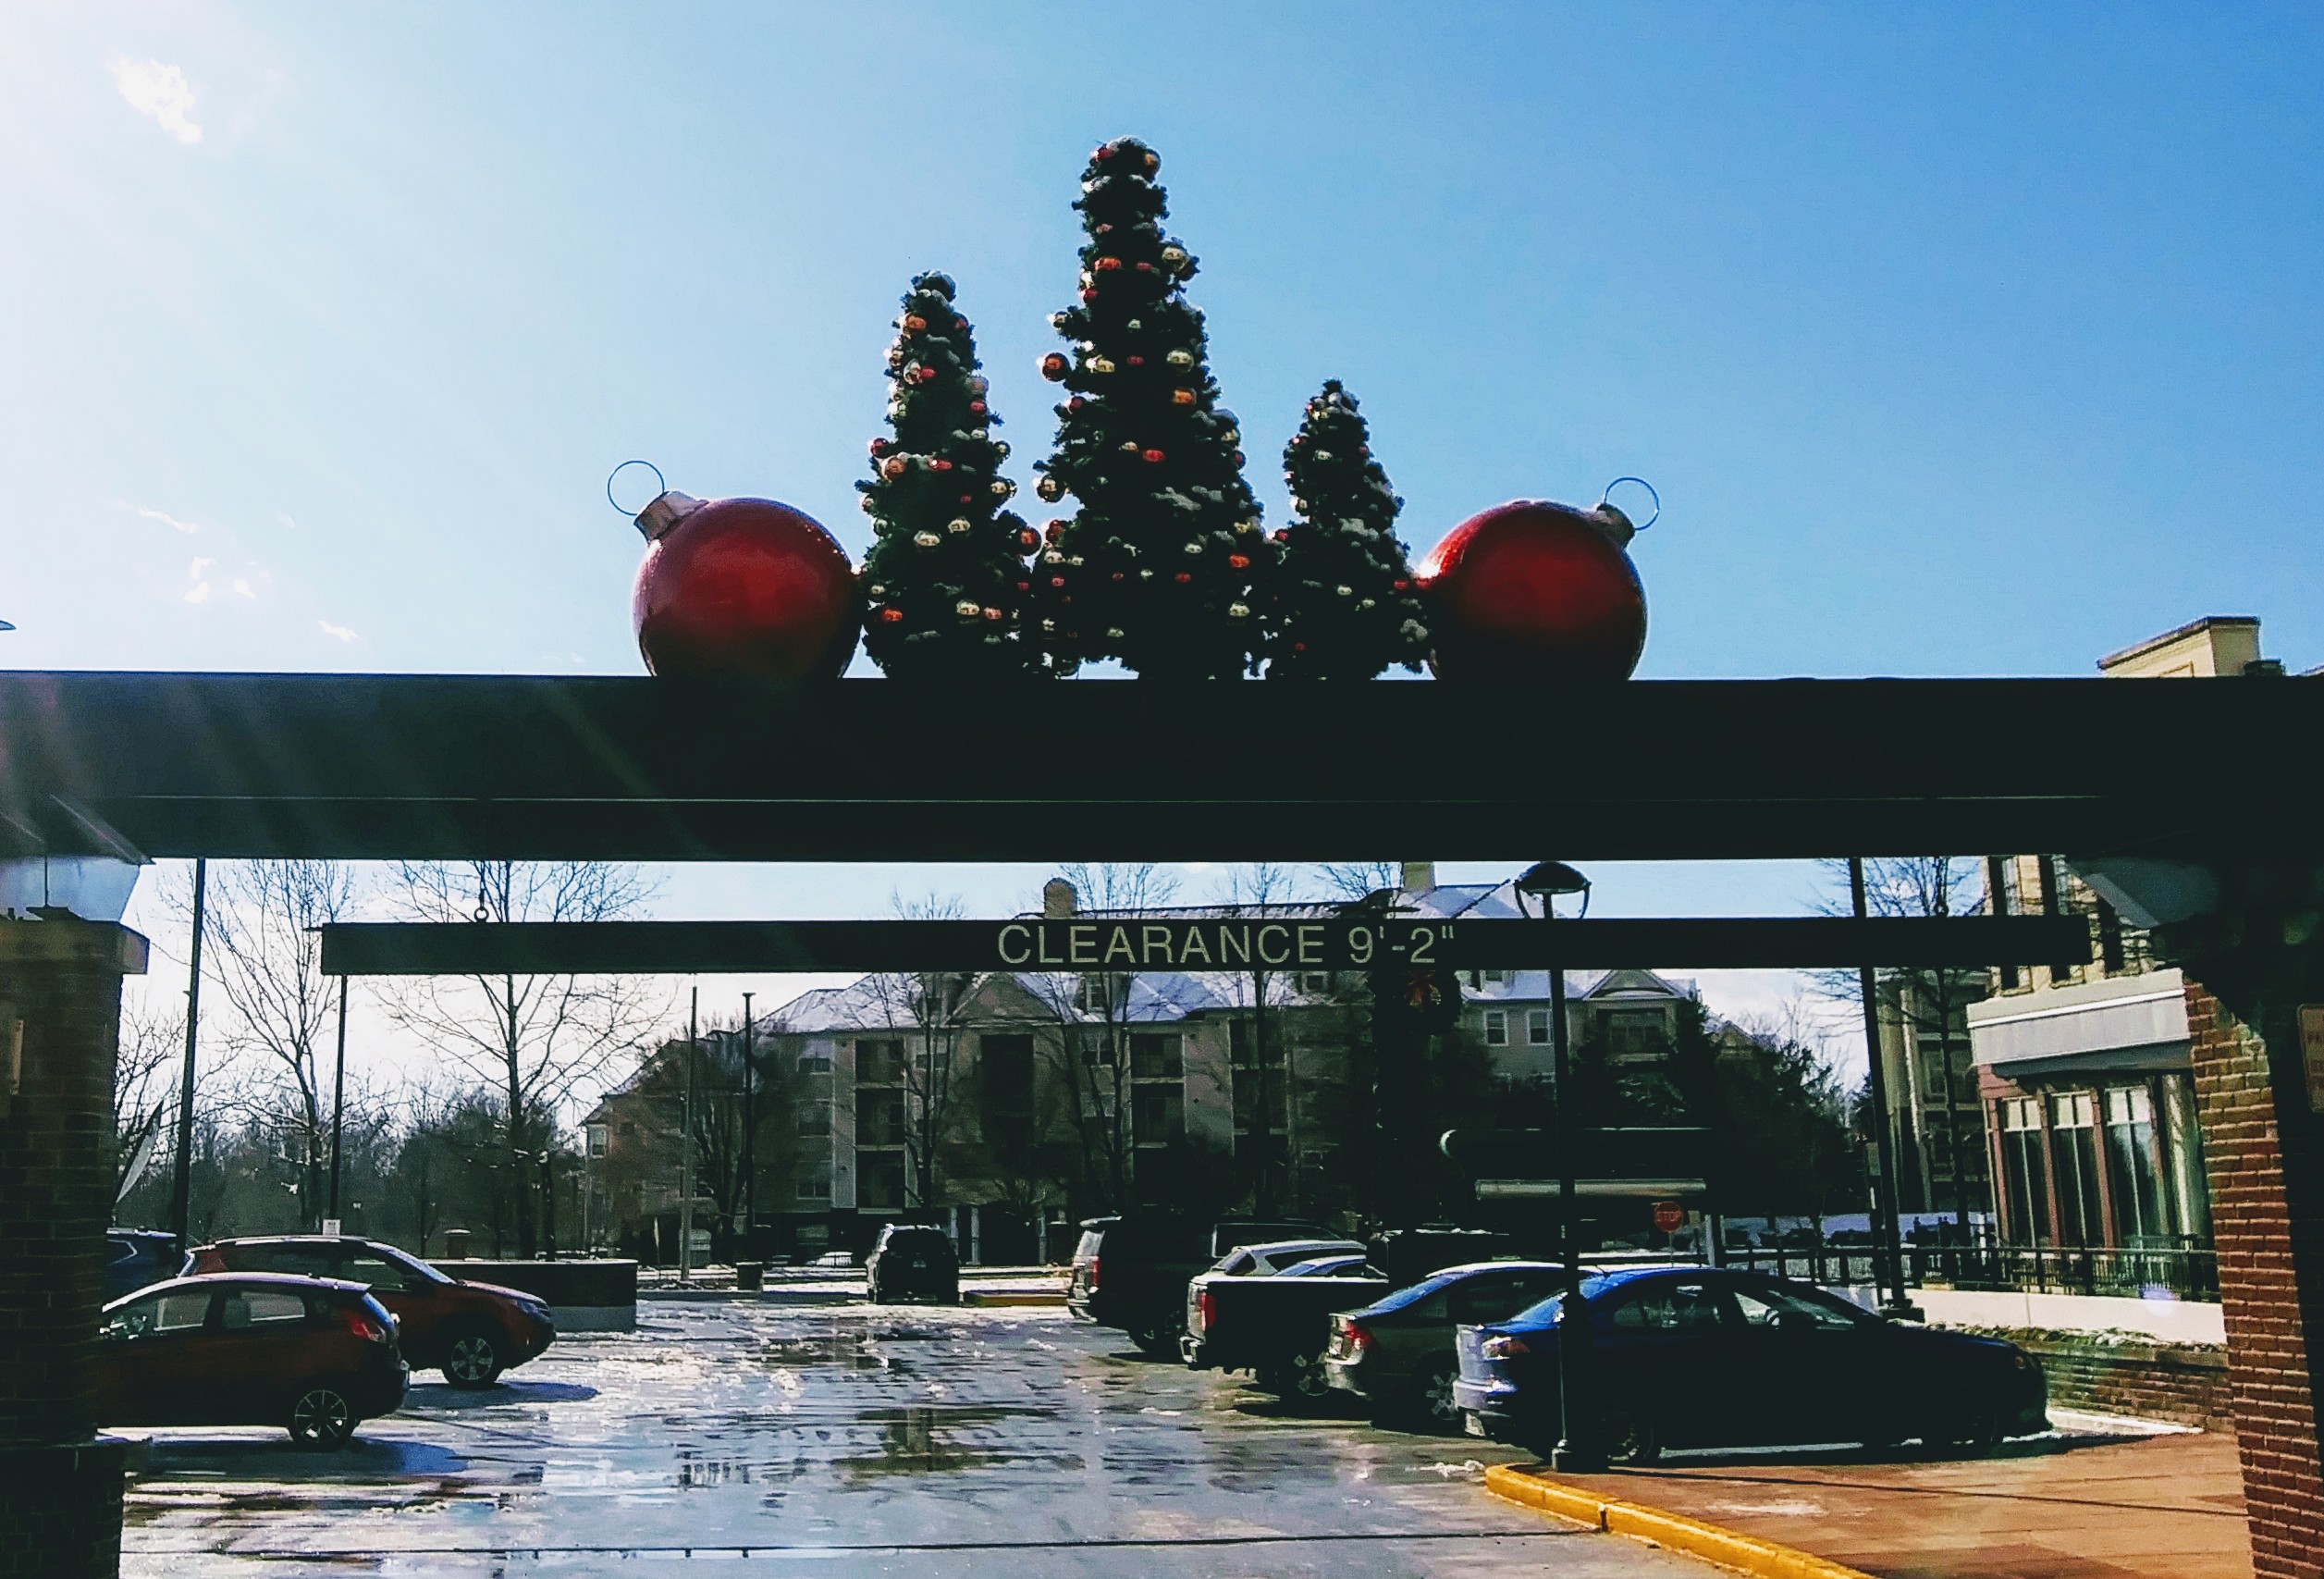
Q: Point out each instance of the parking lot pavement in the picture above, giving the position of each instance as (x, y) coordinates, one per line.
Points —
(937, 1442)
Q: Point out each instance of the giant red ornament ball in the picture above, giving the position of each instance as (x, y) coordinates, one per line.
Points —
(1533, 590)
(741, 587)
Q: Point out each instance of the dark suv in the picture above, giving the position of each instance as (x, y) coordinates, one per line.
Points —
(1132, 1272)
(913, 1261)
(472, 1331)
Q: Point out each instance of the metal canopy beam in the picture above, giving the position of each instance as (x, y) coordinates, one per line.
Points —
(383, 766)
(1098, 943)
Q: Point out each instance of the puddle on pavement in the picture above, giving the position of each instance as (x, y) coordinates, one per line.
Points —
(921, 1439)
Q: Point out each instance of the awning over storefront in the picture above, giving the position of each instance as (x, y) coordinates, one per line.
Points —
(2125, 1023)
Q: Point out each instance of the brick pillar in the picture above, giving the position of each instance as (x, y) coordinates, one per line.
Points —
(60, 1011)
(2264, 1151)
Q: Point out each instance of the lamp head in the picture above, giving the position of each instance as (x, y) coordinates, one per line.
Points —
(1548, 877)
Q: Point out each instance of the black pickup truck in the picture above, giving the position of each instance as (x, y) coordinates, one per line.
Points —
(1131, 1271)
(1275, 1327)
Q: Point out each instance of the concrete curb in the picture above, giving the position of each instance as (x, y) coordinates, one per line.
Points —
(1713, 1543)
(1012, 1297)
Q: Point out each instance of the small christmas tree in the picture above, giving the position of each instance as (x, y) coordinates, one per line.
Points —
(945, 585)
(1344, 606)
(1164, 565)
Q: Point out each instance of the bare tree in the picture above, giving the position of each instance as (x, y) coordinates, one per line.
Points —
(1253, 889)
(536, 1039)
(1927, 1001)
(268, 963)
(144, 1089)
(923, 1004)
(1360, 879)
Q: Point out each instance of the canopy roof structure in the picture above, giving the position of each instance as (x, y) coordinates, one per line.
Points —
(382, 767)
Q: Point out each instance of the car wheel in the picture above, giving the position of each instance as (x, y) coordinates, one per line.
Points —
(321, 1417)
(473, 1359)
(1432, 1405)
(1301, 1381)
(1975, 1435)
(1628, 1435)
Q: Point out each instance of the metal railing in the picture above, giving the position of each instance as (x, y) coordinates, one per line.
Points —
(2184, 1268)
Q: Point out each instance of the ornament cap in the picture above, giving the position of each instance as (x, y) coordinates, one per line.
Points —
(668, 508)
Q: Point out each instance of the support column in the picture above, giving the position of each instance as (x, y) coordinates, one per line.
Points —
(2264, 1151)
(60, 1016)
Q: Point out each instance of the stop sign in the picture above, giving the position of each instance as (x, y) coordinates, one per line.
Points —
(1669, 1217)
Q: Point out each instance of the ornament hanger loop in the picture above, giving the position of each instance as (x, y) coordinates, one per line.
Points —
(660, 487)
(1608, 496)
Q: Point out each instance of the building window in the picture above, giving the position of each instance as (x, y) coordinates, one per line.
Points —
(815, 1190)
(1537, 1028)
(1240, 1036)
(1636, 1033)
(596, 1140)
(815, 1119)
(2075, 1141)
(1494, 977)
(1315, 982)
(1158, 1113)
(879, 1122)
(879, 1182)
(1004, 1084)
(1496, 1028)
(1095, 995)
(2024, 1182)
(879, 1063)
(1155, 1057)
(2137, 1178)
(817, 1059)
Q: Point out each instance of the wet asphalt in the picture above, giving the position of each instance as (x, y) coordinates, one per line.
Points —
(846, 1440)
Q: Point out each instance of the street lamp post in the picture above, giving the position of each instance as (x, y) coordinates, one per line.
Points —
(1577, 1448)
(750, 1132)
(1888, 1236)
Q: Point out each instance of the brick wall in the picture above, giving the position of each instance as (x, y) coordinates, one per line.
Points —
(2263, 1252)
(61, 1492)
(2184, 1383)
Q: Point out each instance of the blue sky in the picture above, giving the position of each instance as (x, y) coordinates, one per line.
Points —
(1958, 339)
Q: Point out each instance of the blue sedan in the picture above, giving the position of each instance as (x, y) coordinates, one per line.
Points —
(1700, 1357)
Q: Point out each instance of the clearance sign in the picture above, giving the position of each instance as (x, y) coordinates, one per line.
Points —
(1220, 945)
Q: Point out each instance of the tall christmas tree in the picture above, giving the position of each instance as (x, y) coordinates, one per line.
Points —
(1164, 564)
(945, 585)
(1344, 606)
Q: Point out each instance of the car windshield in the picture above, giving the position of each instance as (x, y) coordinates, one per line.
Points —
(1325, 1266)
(412, 1264)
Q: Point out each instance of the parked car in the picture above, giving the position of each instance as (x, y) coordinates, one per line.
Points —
(1332, 1266)
(315, 1358)
(138, 1258)
(913, 1261)
(1711, 1357)
(470, 1331)
(1397, 1354)
(1272, 1323)
(1267, 1260)
(1131, 1272)
(1406, 1255)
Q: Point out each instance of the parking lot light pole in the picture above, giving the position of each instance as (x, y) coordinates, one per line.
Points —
(1577, 1449)
(1887, 1244)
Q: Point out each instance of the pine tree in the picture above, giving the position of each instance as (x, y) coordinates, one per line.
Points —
(945, 585)
(1344, 606)
(1164, 565)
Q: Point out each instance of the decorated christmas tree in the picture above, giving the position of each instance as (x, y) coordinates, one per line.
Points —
(945, 585)
(1344, 607)
(1164, 564)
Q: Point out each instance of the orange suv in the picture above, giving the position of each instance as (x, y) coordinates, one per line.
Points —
(470, 1331)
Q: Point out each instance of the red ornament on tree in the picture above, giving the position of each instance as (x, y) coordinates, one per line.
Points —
(1533, 590)
(741, 587)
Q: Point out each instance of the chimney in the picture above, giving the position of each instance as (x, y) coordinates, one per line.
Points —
(1418, 876)
(1059, 901)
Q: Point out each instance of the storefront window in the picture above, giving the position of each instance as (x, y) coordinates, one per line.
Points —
(2074, 1134)
(2130, 1142)
(2023, 1180)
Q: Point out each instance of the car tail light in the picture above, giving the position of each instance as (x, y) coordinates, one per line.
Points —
(1202, 1308)
(1094, 1264)
(359, 1322)
(1502, 1346)
(1354, 1338)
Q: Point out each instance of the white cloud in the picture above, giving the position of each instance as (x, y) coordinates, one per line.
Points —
(166, 519)
(198, 593)
(197, 573)
(342, 632)
(242, 588)
(160, 92)
(286, 520)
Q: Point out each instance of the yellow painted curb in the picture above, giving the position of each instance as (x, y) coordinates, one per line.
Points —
(977, 1298)
(1713, 1543)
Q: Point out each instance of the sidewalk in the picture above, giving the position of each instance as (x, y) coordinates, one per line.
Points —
(2084, 1503)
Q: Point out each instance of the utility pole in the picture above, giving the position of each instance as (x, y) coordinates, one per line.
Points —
(339, 1095)
(181, 1188)
(750, 1131)
(685, 1145)
(1887, 1247)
